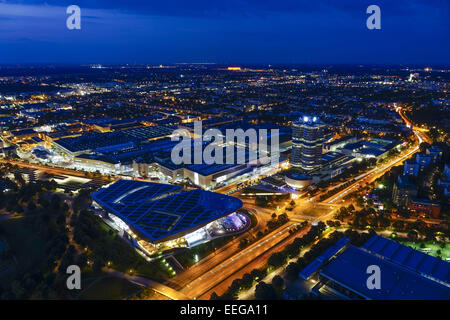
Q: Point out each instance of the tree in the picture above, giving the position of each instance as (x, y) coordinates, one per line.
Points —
(19, 178)
(265, 291)
(360, 202)
(282, 218)
(258, 274)
(247, 281)
(276, 260)
(278, 283)
(235, 287)
(292, 271)
(292, 250)
(214, 296)
(412, 235)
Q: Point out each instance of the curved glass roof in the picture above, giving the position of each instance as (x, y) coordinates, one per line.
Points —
(163, 211)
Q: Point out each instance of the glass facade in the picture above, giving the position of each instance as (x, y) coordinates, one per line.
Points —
(307, 142)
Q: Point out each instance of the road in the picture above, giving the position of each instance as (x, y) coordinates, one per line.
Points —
(215, 258)
(372, 175)
(256, 263)
(49, 169)
(221, 272)
(377, 172)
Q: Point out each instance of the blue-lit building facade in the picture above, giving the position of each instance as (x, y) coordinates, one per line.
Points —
(307, 143)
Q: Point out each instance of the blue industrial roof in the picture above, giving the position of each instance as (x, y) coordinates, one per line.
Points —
(163, 211)
(205, 169)
(397, 282)
(412, 259)
(324, 257)
(93, 141)
(103, 142)
(310, 269)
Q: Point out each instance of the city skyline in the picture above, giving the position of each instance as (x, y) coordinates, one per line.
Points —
(236, 151)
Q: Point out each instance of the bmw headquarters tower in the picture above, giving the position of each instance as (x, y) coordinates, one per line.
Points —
(307, 139)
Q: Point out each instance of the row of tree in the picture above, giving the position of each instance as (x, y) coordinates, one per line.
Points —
(275, 260)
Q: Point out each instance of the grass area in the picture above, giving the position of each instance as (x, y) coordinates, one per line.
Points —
(109, 288)
(153, 270)
(27, 247)
(435, 248)
(107, 228)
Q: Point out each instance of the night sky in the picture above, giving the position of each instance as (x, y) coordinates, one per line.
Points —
(227, 31)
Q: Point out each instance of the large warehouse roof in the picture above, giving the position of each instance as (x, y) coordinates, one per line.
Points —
(398, 282)
(102, 141)
(162, 211)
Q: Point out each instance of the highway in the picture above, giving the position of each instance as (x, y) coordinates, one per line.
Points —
(221, 272)
(257, 263)
(215, 258)
(372, 175)
(50, 169)
(377, 172)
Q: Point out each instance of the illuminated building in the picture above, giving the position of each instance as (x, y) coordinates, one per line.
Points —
(307, 142)
(159, 217)
(298, 180)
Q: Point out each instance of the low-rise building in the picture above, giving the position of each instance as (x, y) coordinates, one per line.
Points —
(424, 206)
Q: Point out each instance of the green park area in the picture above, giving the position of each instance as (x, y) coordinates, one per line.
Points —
(109, 288)
(27, 247)
(434, 249)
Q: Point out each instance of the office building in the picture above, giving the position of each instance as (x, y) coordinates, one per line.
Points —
(307, 143)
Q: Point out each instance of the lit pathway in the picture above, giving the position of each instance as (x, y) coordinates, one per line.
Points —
(156, 286)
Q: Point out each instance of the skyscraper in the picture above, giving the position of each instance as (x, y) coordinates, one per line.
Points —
(307, 139)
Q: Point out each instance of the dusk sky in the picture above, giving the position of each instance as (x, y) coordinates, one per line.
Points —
(231, 31)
